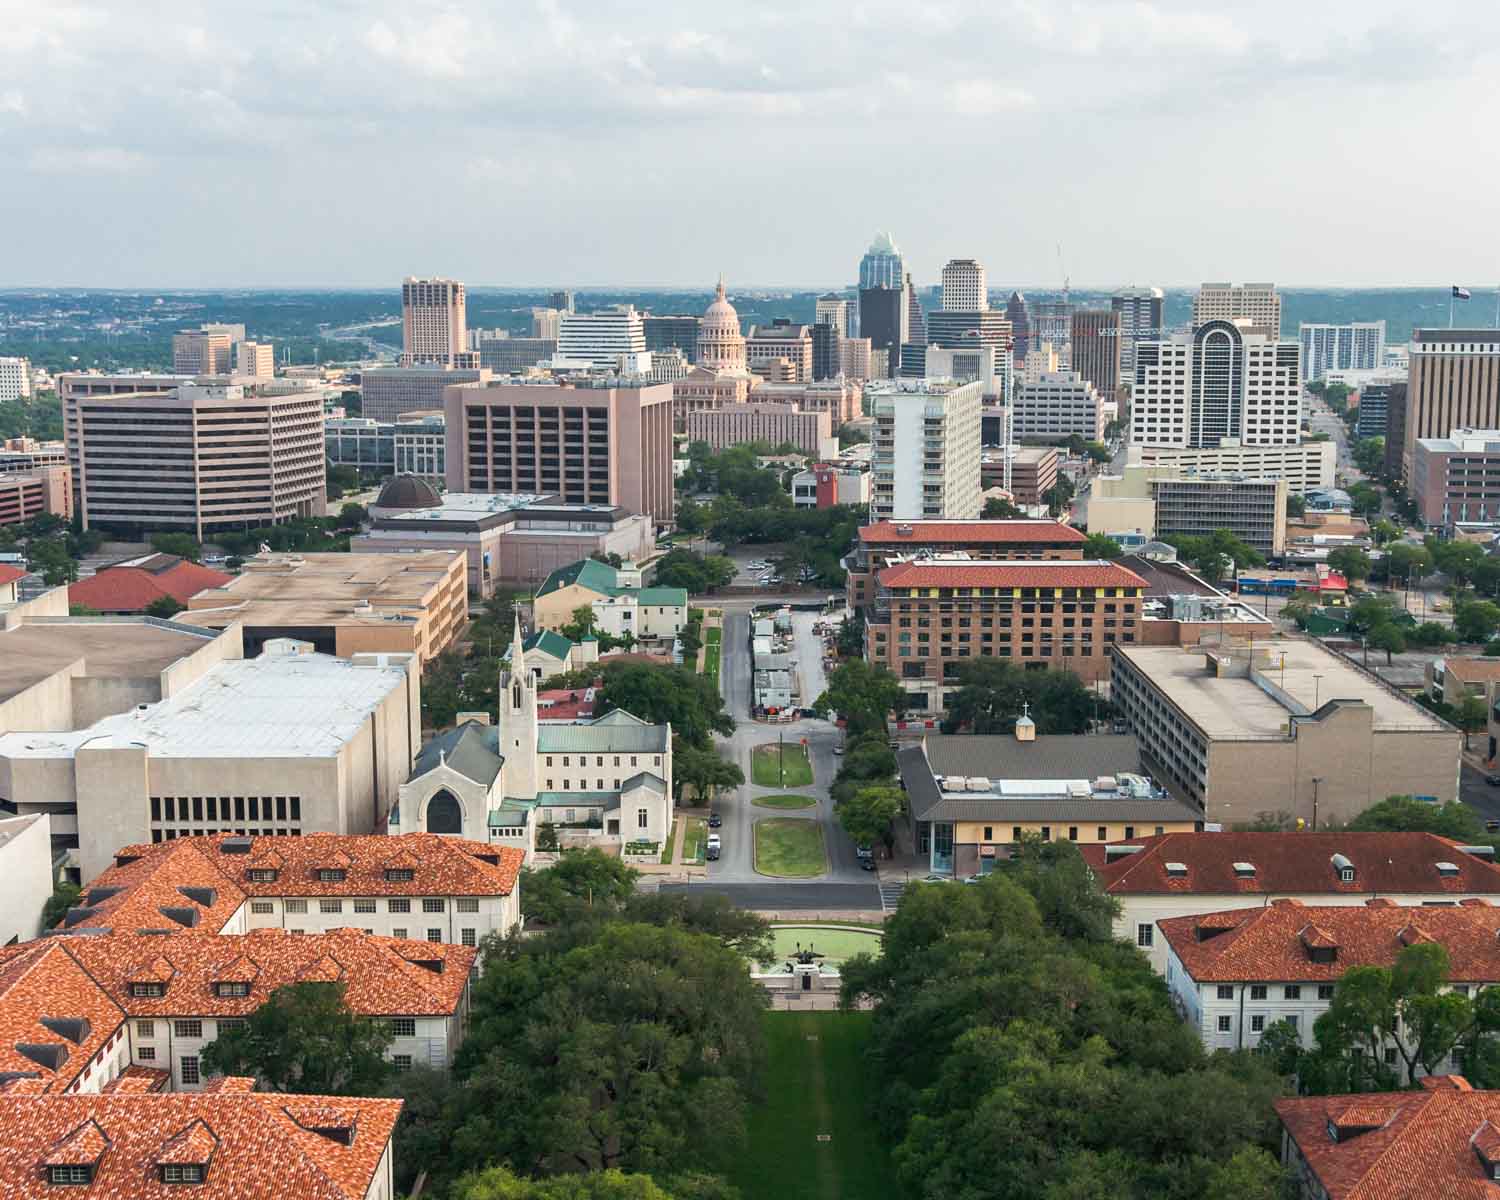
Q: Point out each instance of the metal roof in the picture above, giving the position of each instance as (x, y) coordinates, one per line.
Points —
(1050, 756)
(471, 749)
(616, 732)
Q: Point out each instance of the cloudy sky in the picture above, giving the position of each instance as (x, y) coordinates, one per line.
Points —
(519, 142)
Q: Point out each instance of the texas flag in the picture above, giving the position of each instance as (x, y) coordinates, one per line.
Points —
(1460, 293)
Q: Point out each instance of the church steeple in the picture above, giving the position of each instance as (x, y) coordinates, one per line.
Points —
(518, 723)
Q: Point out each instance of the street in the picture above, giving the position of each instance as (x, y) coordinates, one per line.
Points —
(736, 863)
(1477, 794)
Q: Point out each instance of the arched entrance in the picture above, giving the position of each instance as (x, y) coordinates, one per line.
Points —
(444, 813)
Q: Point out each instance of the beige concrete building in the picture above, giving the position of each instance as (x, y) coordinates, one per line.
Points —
(855, 358)
(386, 393)
(344, 604)
(1305, 467)
(202, 352)
(776, 424)
(509, 541)
(703, 388)
(1285, 726)
(839, 398)
(781, 339)
(927, 436)
(197, 457)
(27, 494)
(434, 323)
(255, 359)
(304, 741)
(1097, 342)
(1453, 383)
(1057, 406)
(584, 441)
(1259, 303)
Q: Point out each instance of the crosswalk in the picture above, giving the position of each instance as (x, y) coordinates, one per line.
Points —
(890, 894)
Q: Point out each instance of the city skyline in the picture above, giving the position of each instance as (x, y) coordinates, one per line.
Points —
(299, 141)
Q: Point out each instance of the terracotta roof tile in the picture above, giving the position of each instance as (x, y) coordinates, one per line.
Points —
(1273, 943)
(132, 589)
(193, 1144)
(83, 1145)
(259, 1152)
(41, 982)
(136, 1078)
(1082, 573)
(1399, 1145)
(1293, 863)
(962, 532)
(131, 896)
(9, 574)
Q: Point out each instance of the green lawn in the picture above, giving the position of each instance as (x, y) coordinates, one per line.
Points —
(693, 840)
(666, 851)
(835, 945)
(789, 847)
(785, 800)
(711, 662)
(765, 766)
(712, 637)
(814, 1087)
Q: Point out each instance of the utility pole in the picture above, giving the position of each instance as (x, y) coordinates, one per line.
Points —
(1317, 779)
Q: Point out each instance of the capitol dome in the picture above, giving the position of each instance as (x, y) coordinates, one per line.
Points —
(721, 345)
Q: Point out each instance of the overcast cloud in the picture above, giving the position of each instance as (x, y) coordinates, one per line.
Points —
(262, 142)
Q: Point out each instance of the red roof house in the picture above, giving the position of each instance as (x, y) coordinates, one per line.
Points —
(133, 585)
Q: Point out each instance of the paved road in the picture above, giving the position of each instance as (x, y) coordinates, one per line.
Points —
(736, 863)
(777, 897)
(1473, 790)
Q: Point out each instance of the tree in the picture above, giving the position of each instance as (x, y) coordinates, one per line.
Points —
(1471, 715)
(352, 516)
(304, 1039)
(1097, 451)
(50, 557)
(581, 625)
(1214, 555)
(1058, 496)
(692, 519)
(706, 771)
(1351, 562)
(1365, 499)
(183, 545)
(1476, 620)
(64, 896)
(1065, 891)
(867, 816)
(1384, 531)
(1101, 545)
(1408, 562)
(1402, 814)
(662, 695)
(499, 1183)
(744, 932)
(580, 880)
(683, 568)
(998, 509)
(165, 607)
(1296, 506)
(864, 695)
(1387, 636)
(1369, 455)
(546, 836)
(992, 693)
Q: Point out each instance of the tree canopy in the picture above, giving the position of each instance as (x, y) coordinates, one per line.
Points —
(684, 568)
(863, 694)
(1214, 555)
(992, 692)
(658, 693)
(1403, 814)
(1101, 545)
(581, 880)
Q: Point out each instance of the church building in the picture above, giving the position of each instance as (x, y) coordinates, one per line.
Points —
(606, 781)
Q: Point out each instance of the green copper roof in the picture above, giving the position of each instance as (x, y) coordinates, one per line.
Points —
(549, 642)
(663, 596)
(616, 732)
(587, 573)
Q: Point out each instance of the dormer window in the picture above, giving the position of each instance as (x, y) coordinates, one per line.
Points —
(230, 990)
(262, 874)
(182, 1173)
(71, 1176)
(1343, 868)
(399, 874)
(148, 990)
(186, 1155)
(1448, 870)
(331, 874)
(1244, 870)
(1346, 874)
(1177, 870)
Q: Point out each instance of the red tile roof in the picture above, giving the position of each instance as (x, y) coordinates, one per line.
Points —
(970, 532)
(1473, 670)
(132, 589)
(187, 873)
(1273, 943)
(259, 1148)
(41, 982)
(1082, 573)
(1290, 864)
(381, 975)
(9, 574)
(1399, 1145)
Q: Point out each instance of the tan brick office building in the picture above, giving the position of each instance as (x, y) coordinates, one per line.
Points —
(932, 614)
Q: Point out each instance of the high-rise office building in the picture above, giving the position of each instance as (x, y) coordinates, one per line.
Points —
(884, 320)
(1453, 383)
(197, 457)
(1096, 348)
(833, 310)
(510, 355)
(434, 322)
(964, 287)
(256, 359)
(1141, 320)
(926, 454)
(1019, 317)
(1218, 382)
(15, 379)
(855, 358)
(600, 337)
(673, 331)
(781, 339)
(1258, 303)
(586, 442)
(721, 345)
(206, 351)
(965, 330)
(916, 322)
(882, 266)
(387, 392)
(827, 350)
(1358, 346)
(546, 323)
(1057, 406)
(1052, 321)
(562, 300)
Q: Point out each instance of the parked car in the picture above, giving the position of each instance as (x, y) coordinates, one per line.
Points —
(1492, 824)
(867, 864)
(713, 847)
(1492, 780)
(714, 820)
(838, 750)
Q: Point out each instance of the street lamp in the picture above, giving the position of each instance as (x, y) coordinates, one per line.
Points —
(1317, 690)
(1317, 779)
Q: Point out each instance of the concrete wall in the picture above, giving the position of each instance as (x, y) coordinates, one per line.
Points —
(25, 877)
(112, 789)
(228, 646)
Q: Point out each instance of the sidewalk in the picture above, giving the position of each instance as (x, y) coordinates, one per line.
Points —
(905, 864)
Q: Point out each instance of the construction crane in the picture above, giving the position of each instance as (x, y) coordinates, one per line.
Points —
(1062, 270)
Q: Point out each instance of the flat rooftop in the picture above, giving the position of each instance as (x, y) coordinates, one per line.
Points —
(287, 583)
(1238, 707)
(465, 506)
(274, 706)
(126, 647)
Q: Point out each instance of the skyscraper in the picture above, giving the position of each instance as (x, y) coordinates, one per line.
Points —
(1259, 303)
(1358, 346)
(434, 324)
(601, 337)
(833, 310)
(884, 319)
(1096, 348)
(882, 266)
(206, 351)
(1052, 321)
(1220, 381)
(926, 456)
(562, 300)
(1140, 310)
(1020, 325)
(964, 287)
(255, 358)
(916, 323)
(1453, 383)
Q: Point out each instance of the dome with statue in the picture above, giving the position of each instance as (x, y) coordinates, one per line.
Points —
(721, 345)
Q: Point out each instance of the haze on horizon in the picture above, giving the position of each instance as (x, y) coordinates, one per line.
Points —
(183, 143)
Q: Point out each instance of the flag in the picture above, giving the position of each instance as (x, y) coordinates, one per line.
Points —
(1460, 293)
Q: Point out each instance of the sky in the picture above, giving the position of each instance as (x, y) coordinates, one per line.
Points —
(188, 143)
